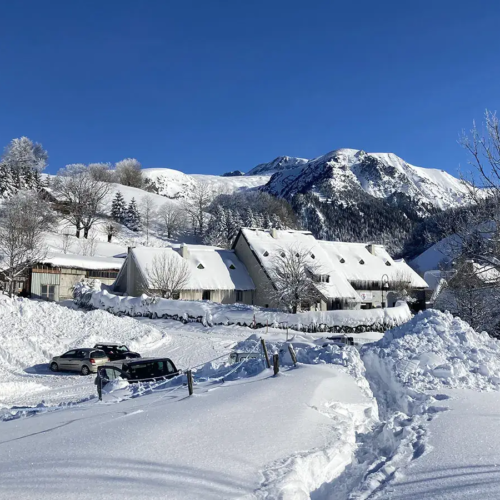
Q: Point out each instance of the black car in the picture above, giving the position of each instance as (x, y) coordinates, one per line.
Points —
(117, 351)
(137, 370)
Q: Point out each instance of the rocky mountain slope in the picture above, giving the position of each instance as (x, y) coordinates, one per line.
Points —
(344, 172)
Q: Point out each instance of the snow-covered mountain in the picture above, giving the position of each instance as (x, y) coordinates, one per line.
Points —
(277, 165)
(381, 175)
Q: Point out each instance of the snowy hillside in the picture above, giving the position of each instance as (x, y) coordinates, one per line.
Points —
(177, 185)
(382, 175)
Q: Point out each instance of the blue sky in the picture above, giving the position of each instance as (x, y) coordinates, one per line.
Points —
(211, 86)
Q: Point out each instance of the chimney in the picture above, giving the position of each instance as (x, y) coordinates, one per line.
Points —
(129, 250)
(184, 251)
(371, 248)
(274, 233)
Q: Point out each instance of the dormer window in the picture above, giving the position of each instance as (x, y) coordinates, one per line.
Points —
(266, 254)
(313, 256)
(200, 266)
(282, 254)
(232, 266)
(387, 263)
(342, 261)
(361, 261)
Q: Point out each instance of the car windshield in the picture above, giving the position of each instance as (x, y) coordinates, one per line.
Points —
(122, 348)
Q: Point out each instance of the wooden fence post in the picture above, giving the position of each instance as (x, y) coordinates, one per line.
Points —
(264, 349)
(276, 363)
(292, 354)
(190, 382)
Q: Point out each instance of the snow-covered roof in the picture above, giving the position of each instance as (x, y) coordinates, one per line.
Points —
(358, 263)
(343, 262)
(265, 246)
(210, 268)
(81, 261)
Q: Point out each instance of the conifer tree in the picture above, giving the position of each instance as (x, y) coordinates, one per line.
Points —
(118, 208)
(133, 217)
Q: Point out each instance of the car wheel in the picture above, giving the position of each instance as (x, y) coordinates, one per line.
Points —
(85, 370)
(54, 367)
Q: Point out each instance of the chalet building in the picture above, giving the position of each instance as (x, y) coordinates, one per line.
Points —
(53, 278)
(349, 275)
(214, 274)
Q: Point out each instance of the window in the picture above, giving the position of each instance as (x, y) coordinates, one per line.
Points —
(48, 292)
(69, 354)
(80, 354)
(361, 261)
(313, 256)
(232, 266)
(176, 295)
(266, 254)
(200, 266)
(282, 254)
(239, 296)
(205, 295)
(342, 260)
(387, 263)
(103, 274)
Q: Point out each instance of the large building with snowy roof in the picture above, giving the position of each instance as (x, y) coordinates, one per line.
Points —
(349, 275)
(212, 273)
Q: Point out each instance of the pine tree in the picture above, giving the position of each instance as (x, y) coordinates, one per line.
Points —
(6, 182)
(216, 233)
(267, 223)
(276, 222)
(249, 218)
(133, 217)
(23, 157)
(118, 208)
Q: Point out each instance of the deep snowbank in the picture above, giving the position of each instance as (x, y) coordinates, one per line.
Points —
(31, 332)
(431, 352)
(210, 313)
(436, 350)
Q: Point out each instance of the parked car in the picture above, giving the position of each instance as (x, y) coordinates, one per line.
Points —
(136, 370)
(117, 351)
(83, 360)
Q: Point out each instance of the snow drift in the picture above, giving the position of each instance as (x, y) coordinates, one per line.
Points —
(436, 350)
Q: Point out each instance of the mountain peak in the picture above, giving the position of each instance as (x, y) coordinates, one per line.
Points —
(277, 165)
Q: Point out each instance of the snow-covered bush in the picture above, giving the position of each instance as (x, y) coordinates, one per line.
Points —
(211, 313)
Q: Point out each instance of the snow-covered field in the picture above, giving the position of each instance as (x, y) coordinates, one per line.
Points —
(411, 415)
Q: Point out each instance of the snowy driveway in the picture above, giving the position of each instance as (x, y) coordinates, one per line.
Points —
(253, 435)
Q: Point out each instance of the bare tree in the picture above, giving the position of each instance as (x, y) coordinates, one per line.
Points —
(102, 172)
(168, 275)
(23, 219)
(129, 173)
(65, 242)
(472, 292)
(400, 286)
(111, 229)
(296, 279)
(197, 205)
(88, 245)
(81, 197)
(171, 219)
(148, 213)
